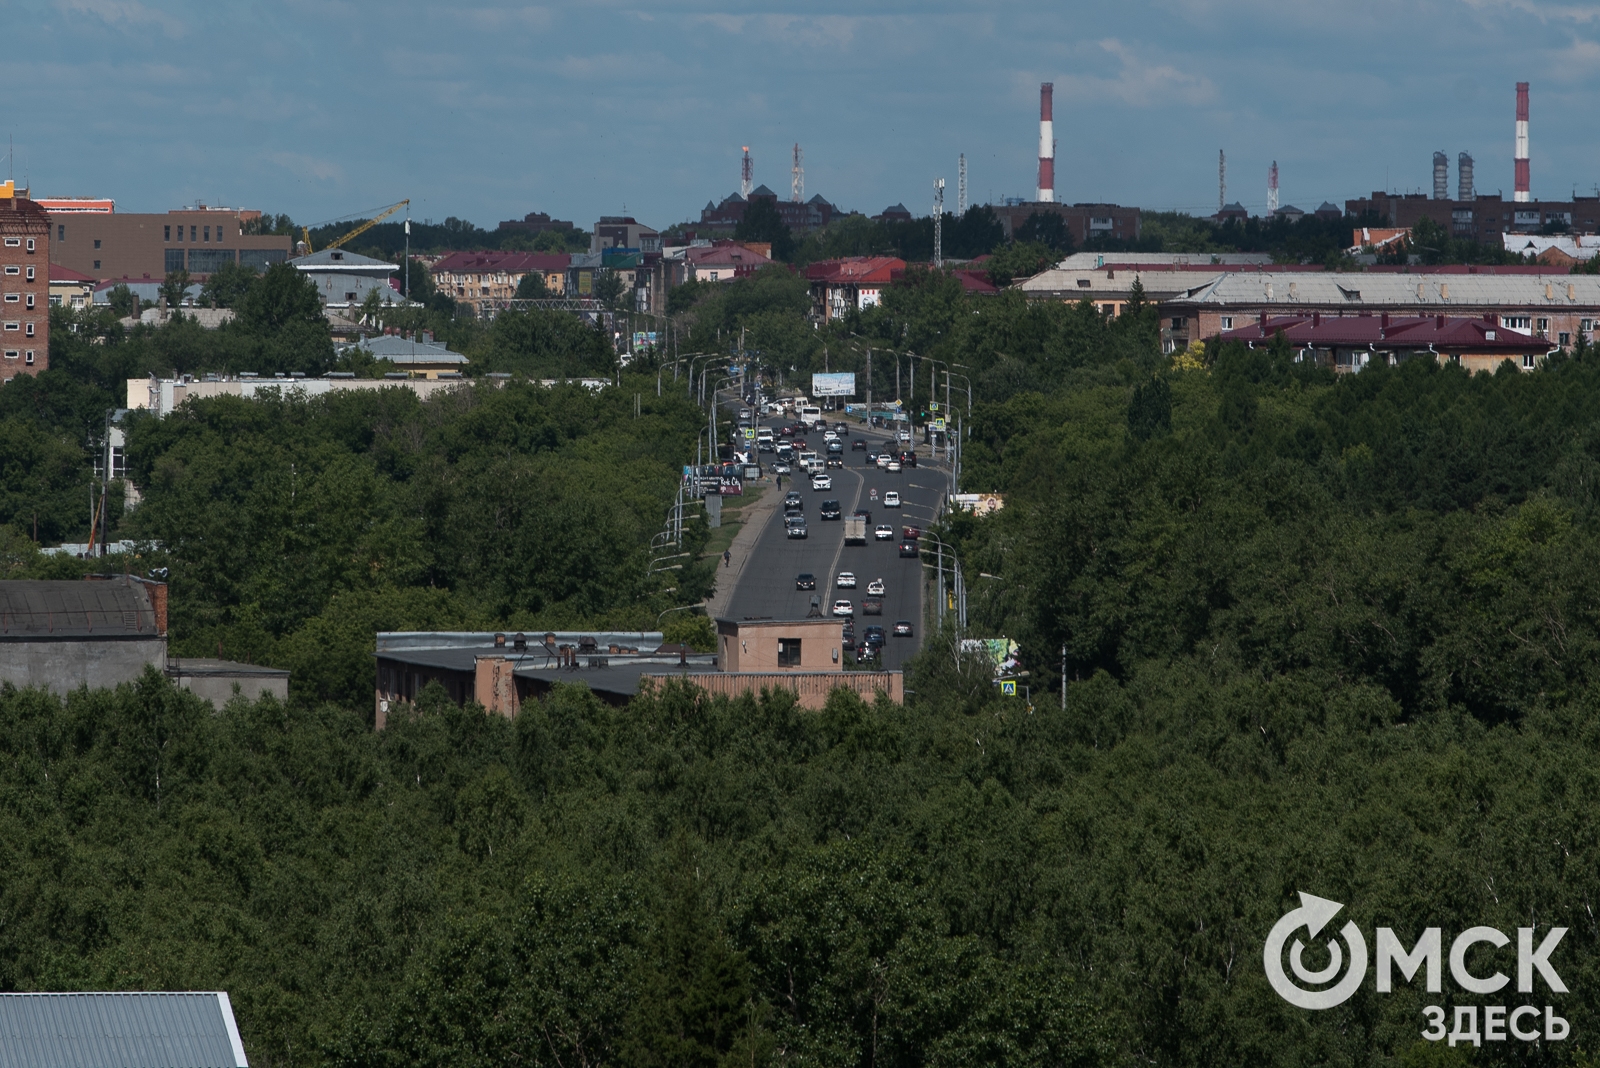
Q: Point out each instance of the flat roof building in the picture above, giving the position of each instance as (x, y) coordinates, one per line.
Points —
(109, 244)
(24, 285)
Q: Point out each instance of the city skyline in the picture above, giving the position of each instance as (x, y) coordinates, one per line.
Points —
(488, 112)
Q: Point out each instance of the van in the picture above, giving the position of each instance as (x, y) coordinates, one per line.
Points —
(810, 414)
(764, 434)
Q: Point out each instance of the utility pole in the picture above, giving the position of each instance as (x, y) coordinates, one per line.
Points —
(869, 385)
(1063, 677)
(938, 223)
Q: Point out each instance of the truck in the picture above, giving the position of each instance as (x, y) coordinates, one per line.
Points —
(855, 530)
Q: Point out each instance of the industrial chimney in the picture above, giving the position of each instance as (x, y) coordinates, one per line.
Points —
(1441, 176)
(1272, 189)
(1523, 187)
(1464, 189)
(1047, 145)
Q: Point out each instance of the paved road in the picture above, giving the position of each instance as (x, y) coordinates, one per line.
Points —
(766, 587)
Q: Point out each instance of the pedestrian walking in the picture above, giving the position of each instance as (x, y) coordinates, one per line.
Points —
(727, 558)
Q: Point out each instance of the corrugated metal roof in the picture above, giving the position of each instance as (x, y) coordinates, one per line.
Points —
(109, 608)
(1445, 333)
(1333, 289)
(119, 1030)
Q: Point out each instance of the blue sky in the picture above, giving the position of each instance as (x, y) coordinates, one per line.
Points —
(490, 110)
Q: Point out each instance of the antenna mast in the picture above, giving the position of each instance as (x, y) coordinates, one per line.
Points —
(746, 170)
(938, 222)
(961, 188)
(797, 180)
(1222, 180)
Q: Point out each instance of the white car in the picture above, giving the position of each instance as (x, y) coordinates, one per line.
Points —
(822, 482)
(891, 499)
(893, 467)
(884, 532)
(883, 460)
(904, 435)
(875, 587)
(830, 435)
(845, 581)
(842, 607)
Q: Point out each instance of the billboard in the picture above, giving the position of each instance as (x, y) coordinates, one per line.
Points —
(834, 385)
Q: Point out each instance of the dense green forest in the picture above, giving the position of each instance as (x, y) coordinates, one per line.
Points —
(1327, 635)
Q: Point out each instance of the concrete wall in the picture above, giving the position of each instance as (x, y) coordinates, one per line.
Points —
(219, 681)
(63, 665)
(753, 646)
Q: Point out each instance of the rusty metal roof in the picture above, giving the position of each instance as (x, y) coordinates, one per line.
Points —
(119, 607)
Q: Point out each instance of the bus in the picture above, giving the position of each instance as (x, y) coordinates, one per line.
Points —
(810, 414)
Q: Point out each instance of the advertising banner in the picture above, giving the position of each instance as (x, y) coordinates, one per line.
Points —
(834, 385)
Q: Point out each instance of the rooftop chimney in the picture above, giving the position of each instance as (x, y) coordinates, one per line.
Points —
(1524, 188)
(1047, 144)
(1441, 176)
(1464, 190)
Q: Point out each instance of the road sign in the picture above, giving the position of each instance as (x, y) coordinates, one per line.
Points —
(1008, 688)
(749, 434)
(938, 424)
(933, 407)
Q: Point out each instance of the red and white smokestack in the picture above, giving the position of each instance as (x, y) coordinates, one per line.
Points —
(1524, 188)
(1047, 145)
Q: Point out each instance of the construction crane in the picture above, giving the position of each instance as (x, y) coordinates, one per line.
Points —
(305, 232)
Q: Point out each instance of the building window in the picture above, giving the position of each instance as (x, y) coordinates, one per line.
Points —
(1516, 322)
(29, 358)
(1544, 327)
(208, 233)
(1563, 339)
(12, 327)
(97, 265)
(30, 300)
(166, 232)
(174, 259)
(1227, 322)
(1527, 361)
(31, 244)
(30, 274)
(1178, 322)
(788, 652)
(193, 232)
(55, 300)
(61, 231)
(29, 331)
(12, 354)
(11, 269)
(13, 298)
(13, 242)
(97, 242)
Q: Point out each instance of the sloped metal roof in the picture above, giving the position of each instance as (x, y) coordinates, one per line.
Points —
(1443, 291)
(111, 608)
(119, 1030)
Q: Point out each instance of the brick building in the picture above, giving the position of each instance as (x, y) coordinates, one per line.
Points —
(1349, 343)
(24, 285)
(855, 282)
(1483, 218)
(800, 218)
(1084, 222)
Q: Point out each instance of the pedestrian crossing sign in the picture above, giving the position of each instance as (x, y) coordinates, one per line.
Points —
(1008, 688)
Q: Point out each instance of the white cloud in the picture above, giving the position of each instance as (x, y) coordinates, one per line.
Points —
(308, 166)
(1139, 82)
(124, 13)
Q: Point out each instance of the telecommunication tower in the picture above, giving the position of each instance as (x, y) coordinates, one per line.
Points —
(746, 172)
(1222, 180)
(797, 176)
(1272, 189)
(938, 222)
(961, 188)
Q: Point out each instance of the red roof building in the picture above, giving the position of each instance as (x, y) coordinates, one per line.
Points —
(1349, 343)
(853, 283)
(475, 278)
(722, 262)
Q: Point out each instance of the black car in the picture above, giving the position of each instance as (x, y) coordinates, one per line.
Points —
(864, 514)
(902, 628)
(834, 460)
(858, 445)
(872, 606)
(908, 459)
(798, 530)
(805, 581)
(908, 548)
(831, 510)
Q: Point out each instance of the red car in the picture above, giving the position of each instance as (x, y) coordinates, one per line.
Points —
(911, 533)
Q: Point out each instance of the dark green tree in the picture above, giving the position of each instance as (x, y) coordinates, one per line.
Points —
(174, 286)
(1045, 228)
(228, 285)
(761, 222)
(1150, 410)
